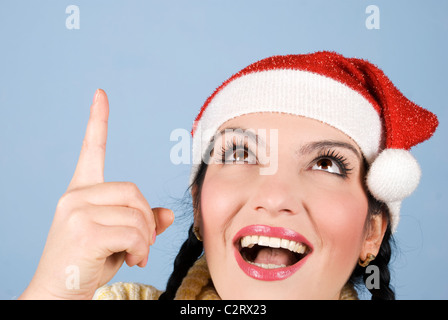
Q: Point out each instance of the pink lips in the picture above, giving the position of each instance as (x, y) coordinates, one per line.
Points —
(259, 273)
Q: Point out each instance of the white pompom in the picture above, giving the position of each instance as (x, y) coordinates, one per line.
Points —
(393, 176)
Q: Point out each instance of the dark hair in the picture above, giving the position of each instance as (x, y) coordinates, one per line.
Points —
(192, 249)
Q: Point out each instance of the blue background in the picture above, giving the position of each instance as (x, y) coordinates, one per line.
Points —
(158, 61)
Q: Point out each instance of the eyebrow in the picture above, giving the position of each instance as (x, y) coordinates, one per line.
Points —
(325, 144)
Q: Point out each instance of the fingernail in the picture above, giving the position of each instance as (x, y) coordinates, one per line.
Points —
(95, 97)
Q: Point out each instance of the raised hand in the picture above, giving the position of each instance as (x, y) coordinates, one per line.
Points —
(97, 225)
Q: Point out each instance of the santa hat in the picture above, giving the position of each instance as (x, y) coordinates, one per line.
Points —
(349, 94)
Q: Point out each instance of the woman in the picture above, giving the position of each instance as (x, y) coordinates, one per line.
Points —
(300, 164)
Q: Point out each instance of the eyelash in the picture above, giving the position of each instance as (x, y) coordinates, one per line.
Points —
(331, 154)
(234, 145)
(340, 160)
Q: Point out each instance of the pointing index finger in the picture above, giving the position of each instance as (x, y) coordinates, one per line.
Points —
(90, 167)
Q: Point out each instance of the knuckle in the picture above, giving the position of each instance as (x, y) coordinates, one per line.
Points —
(139, 221)
(64, 201)
(79, 227)
(65, 205)
(93, 145)
(136, 240)
(136, 217)
(131, 187)
(78, 218)
(131, 190)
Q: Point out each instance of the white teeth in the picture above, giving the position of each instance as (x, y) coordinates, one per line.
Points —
(291, 245)
(245, 242)
(273, 242)
(267, 266)
(299, 248)
(263, 241)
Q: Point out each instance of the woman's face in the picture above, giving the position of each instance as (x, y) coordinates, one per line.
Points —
(289, 228)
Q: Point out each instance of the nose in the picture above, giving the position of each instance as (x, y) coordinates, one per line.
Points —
(277, 194)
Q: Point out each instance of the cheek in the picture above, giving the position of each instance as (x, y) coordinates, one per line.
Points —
(224, 192)
(219, 203)
(340, 222)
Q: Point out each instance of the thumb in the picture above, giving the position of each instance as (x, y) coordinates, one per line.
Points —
(164, 218)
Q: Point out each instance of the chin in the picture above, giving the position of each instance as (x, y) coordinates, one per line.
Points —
(237, 285)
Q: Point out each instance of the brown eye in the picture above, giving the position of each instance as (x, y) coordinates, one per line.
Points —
(241, 155)
(326, 164)
(238, 153)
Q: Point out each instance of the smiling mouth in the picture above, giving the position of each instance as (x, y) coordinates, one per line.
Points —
(270, 253)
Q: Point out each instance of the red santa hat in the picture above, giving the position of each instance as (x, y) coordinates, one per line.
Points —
(349, 94)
